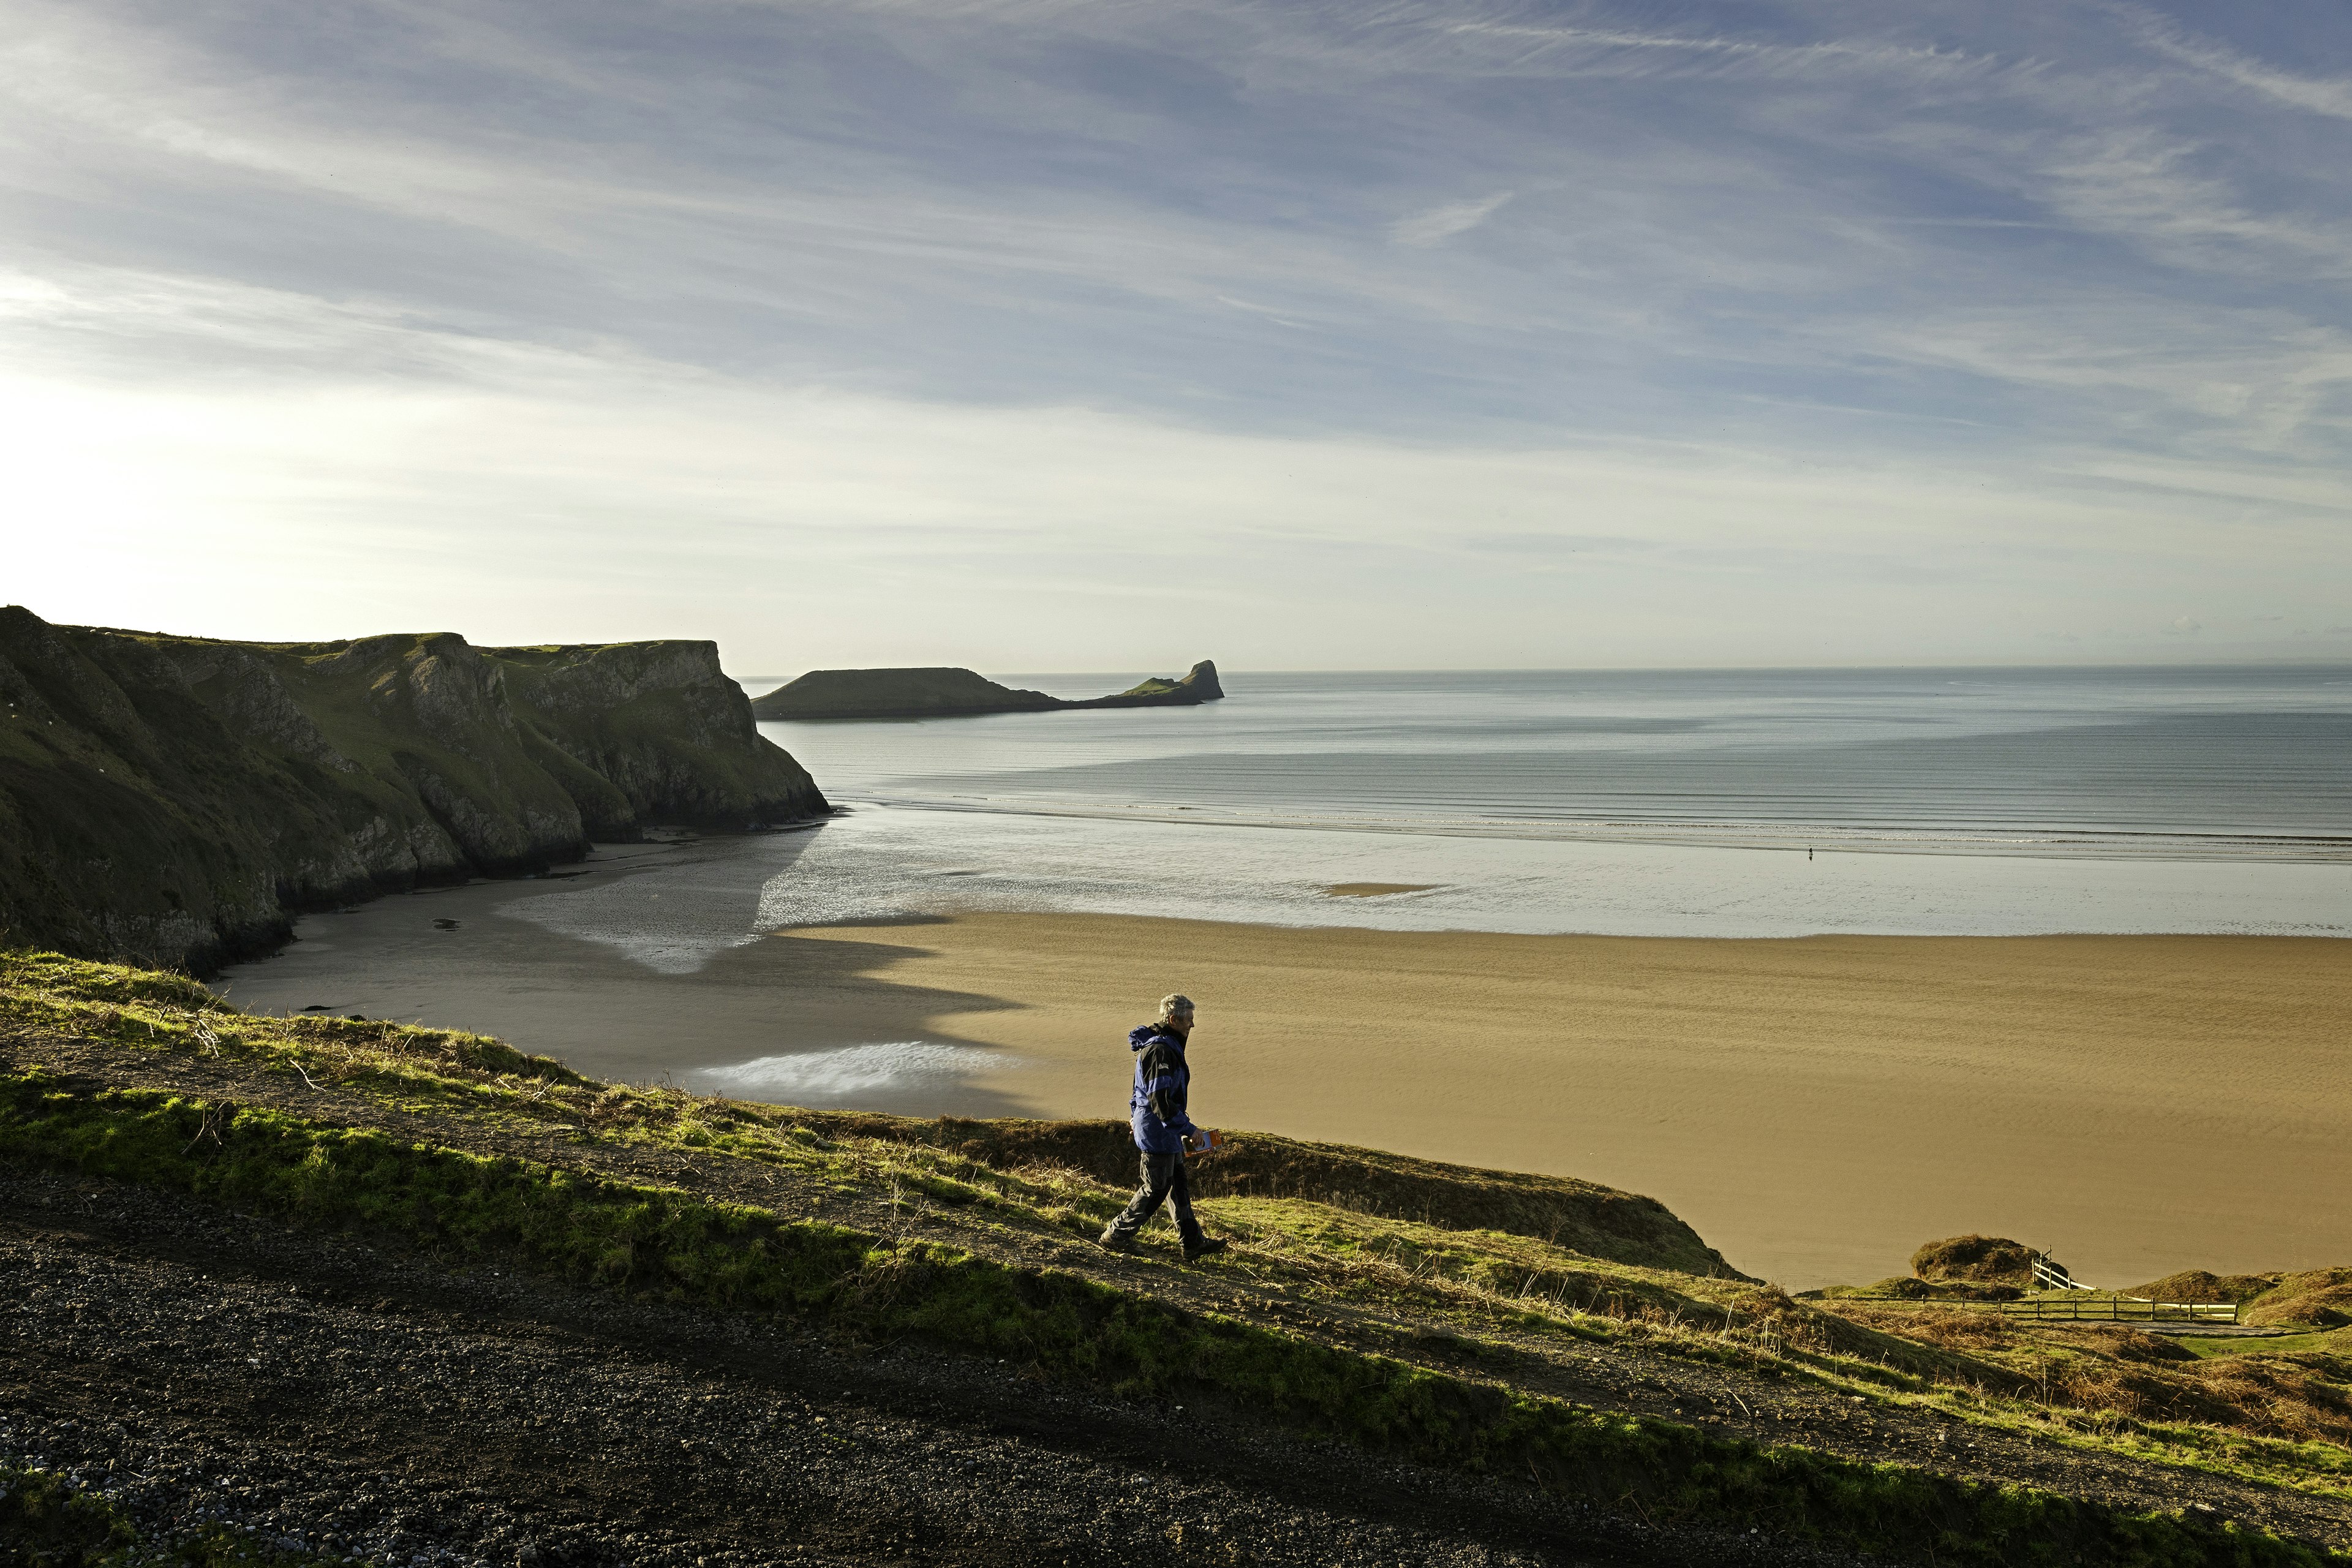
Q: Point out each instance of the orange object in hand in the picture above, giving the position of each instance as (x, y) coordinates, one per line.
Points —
(1201, 1142)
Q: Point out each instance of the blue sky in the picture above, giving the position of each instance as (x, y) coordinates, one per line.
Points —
(1033, 335)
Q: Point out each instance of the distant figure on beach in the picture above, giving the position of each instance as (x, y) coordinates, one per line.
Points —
(1809, 853)
(1163, 1132)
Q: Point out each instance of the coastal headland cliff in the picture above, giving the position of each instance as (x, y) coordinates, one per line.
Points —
(172, 799)
(942, 692)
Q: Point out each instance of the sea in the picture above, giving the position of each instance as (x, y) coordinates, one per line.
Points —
(1931, 802)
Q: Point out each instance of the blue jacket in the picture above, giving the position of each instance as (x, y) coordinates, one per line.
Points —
(1162, 1083)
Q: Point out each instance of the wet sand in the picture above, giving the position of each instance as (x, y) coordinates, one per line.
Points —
(1814, 1107)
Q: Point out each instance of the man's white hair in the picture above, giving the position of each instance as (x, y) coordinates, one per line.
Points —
(1175, 1006)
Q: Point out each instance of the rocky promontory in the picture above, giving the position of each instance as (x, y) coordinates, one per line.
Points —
(172, 799)
(942, 692)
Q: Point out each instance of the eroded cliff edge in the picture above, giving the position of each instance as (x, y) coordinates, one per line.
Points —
(173, 800)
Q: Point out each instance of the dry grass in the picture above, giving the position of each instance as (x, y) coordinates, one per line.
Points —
(2321, 1297)
(2124, 1372)
(2197, 1285)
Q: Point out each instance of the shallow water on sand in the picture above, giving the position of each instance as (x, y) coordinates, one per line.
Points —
(885, 862)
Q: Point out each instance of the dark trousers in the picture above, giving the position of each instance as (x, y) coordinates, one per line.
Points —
(1164, 1180)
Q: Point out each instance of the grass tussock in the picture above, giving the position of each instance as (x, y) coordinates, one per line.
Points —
(1975, 1260)
(2319, 1298)
(2198, 1284)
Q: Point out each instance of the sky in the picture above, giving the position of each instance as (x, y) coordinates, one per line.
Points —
(1038, 335)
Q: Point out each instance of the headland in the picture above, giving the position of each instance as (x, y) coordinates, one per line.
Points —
(949, 693)
(172, 799)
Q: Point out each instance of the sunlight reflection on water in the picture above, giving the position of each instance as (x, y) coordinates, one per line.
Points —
(847, 1072)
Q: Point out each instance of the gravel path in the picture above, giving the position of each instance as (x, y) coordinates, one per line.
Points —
(360, 1399)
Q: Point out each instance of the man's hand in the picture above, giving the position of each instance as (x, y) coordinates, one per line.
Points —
(1198, 1142)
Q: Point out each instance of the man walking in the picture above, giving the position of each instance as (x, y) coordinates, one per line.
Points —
(1162, 1084)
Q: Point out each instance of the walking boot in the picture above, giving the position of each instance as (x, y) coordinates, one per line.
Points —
(1116, 1239)
(1196, 1250)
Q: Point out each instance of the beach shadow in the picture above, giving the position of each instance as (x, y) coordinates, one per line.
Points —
(460, 960)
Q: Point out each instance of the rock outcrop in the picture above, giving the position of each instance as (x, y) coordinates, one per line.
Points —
(945, 693)
(172, 800)
(1198, 684)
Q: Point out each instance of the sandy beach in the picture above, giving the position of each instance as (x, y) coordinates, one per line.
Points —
(1814, 1107)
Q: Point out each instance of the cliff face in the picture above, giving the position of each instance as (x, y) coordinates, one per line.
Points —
(171, 799)
(945, 693)
(659, 724)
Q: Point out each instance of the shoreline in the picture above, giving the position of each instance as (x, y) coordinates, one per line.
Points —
(886, 861)
(2057, 846)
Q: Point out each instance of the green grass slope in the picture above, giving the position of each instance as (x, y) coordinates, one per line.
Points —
(171, 799)
(944, 1233)
(1595, 1221)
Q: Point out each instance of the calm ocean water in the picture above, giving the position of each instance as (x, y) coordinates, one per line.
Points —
(2227, 763)
(1734, 803)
